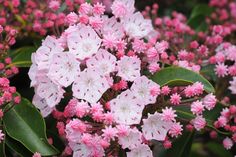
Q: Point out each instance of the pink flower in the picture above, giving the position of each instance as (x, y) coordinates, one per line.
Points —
(96, 22)
(98, 9)
(154, 67)
(85, 8)
(129, 68)
(141, 89)
(81, 109)
(36, 154)
(167, 144)
(197, 107)
(168, 115)
(176, 130)
(198, 88)
(54, 5)
(109, 133)
(122, 8)
(126, 109)
(155, 128)
(72, 132)
(222, 121)
(89, 85)
(161, 46)
(109, 41)
(123, 130)
(221, 70)
(141, 150)
(199, 123)
(165, 90)
(209, 101)
(228, 143)
(72, 18)
(138, 45)
(175, 99)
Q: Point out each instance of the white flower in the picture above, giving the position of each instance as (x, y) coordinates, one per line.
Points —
(64, 68)
(129, 68)
(141, 89)
(155, 128)
(89, 85)
(232, 86)
(103, 61)
(111, 26)
(42, 105)
(136, 26)
(50, 46)
(140, 151)
(83, 43)
(132, 140)
(50, 91)
(126, 109)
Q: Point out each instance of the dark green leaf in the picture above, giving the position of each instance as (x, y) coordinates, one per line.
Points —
(181, 146)
(218, 150)
(208, 72)
(17, 147)
(198, 16)
(2, 149)
(25, 124)
(180, 76)
(201, 9)
(22, 56)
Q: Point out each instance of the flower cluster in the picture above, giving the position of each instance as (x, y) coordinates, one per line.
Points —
(100, 64)
(8, 97)
(227, 121)
(7, 39)
(42, 17)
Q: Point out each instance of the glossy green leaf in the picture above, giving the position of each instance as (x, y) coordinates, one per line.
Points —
(22, 56)
(25, 124)
(198, 16)
(201, 9)
(180, 76)
(218, 150)
(17, 147)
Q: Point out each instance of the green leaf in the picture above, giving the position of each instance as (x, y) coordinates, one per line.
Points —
(208, 72)
(198, 16)
(25, 124)
(218, 150)
(181, 146)
(180, 76)
(201, 9)
(2, 149)
(17, 147)
(22, 56)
